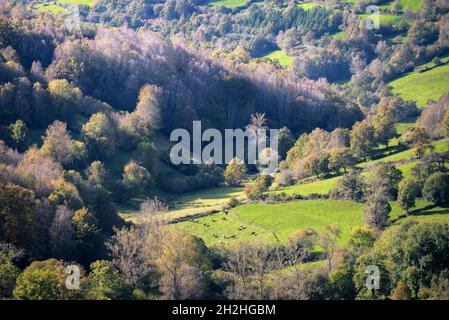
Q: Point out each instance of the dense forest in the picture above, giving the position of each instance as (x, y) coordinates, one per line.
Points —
(85, 171)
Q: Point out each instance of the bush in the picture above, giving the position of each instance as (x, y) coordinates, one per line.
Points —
(232, 203)
(284, 178)
(377, 211)
(235, 172)
(136, 177)
(436, 189)
(408, 191)
(350, 187)
(8, 276)
(254, 191)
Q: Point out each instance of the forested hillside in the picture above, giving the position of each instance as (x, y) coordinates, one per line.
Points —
(86, 177)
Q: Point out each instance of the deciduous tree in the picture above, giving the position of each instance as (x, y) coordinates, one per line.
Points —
(235, 172)
(436, 188)
(363, 139)
(408, 191)
(17, 210)
(377, 210)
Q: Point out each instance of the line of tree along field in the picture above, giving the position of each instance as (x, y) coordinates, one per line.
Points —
(85, 171)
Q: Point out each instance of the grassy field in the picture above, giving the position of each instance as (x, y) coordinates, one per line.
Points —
(396, 210)
(424, 86)
(433, 215)
(228, 3)
(310, 5)
(188, 204)
(323, 187)
(56, 7)
(401, 127)
(213, 198)
(53, 8)
(281, 57)
(440, 146)
(407, 168)
(414, 5)
(340, 35)
(272, 223)
(317, 187)
(89, 3)
(385, 19)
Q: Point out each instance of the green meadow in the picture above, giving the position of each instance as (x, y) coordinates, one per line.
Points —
(56, 7)
(413, 4)
(339, 35)
(385, 19)
(89, 3)
(275, 222)
(439, 146)
(310, 5)
(53, 8)
(229, 3)
(281, 57)
(423, 86)
(436, 214)
(401, 127)
(320, 187)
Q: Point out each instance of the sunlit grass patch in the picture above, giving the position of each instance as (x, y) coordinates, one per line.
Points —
(423, 86)
(229, 3)
(281, 57)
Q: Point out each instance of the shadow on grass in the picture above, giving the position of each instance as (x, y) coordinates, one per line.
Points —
(431, 212)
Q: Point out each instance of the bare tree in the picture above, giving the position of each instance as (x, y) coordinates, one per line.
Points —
(249, 264)
(148, 107)
(8, 252)
(181, 278)
(62, 233)
(134, 249)
(131, 251)
(261, 262)
(239, 265)
(258, 121)
(328, 241)
(289, 282)
(310, 284)
(153, 206)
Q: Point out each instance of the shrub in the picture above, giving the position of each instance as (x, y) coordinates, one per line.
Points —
(408, 191)
(235, 172)
(377, 210)
(436, 189)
